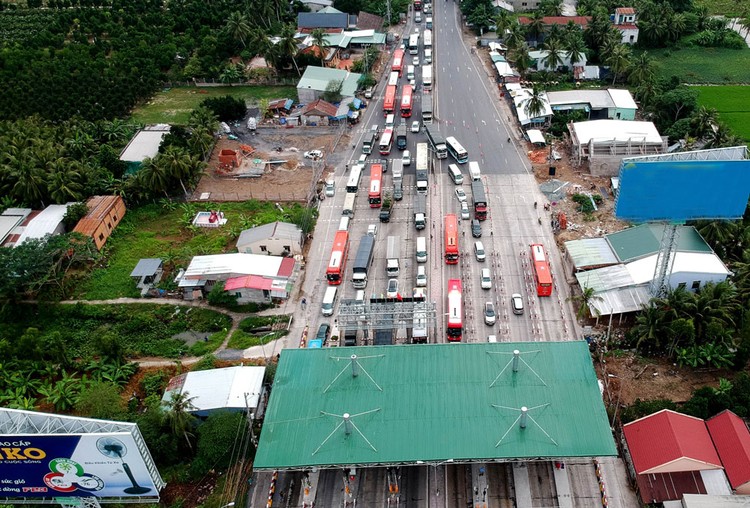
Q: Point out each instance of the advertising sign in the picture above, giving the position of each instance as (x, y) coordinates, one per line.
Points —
(89, 465)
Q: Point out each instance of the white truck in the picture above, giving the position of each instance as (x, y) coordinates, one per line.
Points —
(393, 254)
(420, 211)
(474, 170)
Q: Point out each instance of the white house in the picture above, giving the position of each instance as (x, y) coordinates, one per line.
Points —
(274, 239)
(250, 277)
(624, 21)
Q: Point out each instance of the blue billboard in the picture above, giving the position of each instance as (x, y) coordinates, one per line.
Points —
(678, 191)
(89, 465)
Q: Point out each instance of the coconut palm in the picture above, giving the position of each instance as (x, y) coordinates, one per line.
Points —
(584, 300)
(29, 186)
(516, 36)
(64, 180)
(288, 44)
(178, 417)
(522, 60)
(238, 27)
(318, 38)
(154, 176)
(704, 120)
(535, 105)
(619, 60)
(650, 326)
(642, 69)
(576, 49)
(716, 304)
(203, 118)
(177, 164)
(503, 21)
(554, 58)
(721, 136)
(535, 28)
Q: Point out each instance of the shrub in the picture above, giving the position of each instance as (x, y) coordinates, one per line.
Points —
(216, 442)
(154, 383)
(226, 108)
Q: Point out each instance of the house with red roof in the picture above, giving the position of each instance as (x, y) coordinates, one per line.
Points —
(732, 441)
(674, 454)
(624, 20)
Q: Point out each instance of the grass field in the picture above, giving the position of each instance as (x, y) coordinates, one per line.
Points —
(704, 65)
(174, 105)
(154, 231)
(728, 8)
(732, 103)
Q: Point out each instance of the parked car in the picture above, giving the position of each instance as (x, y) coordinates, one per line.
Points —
(330, 189)
(476, 228)
(421, 277)
(460, 194)
(313, 154)
(516, 303)
(485, 279)
(392, 290)
(415, 126)
(489, 313)
(323, 332)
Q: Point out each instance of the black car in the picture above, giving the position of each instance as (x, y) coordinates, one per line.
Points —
(323, 332)
(476, 228)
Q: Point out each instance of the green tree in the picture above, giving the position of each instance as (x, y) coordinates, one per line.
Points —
(584, 300)
(219, 442)
(522, 60)
(642, 70)
(535, 105)
(576, 49)
(73, 214)
(288, 44)
(333, 91)
(318, 38)
(619, 61)
(704, 120)
(535, 27)
(238, 27)
(100, 400)
(178, 417)
(554, 58)
(650, 327)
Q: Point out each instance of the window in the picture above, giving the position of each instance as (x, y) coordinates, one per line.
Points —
(287, 248)
(109, 225)
(682, 285)
(263, 248)
(101, 237)
(238, 294)
(696, 285)
(115, 218)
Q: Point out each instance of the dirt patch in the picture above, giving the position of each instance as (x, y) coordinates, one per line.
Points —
(290, 180)
(628, 377)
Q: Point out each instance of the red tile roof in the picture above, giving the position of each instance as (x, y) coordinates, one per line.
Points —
(667, 441)
(320, 108)
(286, 268)
(625, 10)
(248, 282)
(558, 20)
(732, 441)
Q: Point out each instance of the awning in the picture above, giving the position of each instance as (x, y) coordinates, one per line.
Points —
(536, 136)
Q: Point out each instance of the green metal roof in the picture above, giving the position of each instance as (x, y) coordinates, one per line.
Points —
(317, 78)
(433, 403)
(640, 241)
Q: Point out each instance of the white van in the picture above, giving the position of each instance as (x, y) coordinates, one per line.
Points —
(421, 249)
(410, 72)
(455, 174)
(474, 170)
(485, 279)
(359, 296)
(344, 223)
(390, 120)
(479, 251)
(418, 17)
(328, 300)
(428, 55)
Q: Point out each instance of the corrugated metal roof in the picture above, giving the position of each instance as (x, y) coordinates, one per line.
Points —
(642, 270)
(732, 441)
(590, 252)
(235, 264)
(45, 223)
(619, 300)
(644, 240)
(668, 442)
(433, 403)
(276, 229)
(144, 144)
(227, 388)
(248, 282)
(317, 78)
(605, 278)
(618, 130)
(322, 20)
(99, 207)
(146, 267)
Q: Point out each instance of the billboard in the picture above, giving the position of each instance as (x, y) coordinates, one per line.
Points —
(681, 190)
(103, 465)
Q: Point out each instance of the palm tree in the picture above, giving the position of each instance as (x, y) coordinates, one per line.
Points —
(676, 26)
(318, 37)
(503, 21)
(29, 186)
(238, 27)
(642, 69)
(721, 136)
(587, 296)
(650, 326)
(554, 58)
(619, 60)
(176, 163)
(716, 303)
(203, 118)
(522, 60)
(704, 120)
(576, 49)
(535, 105)
(516, 36)
(178, 416)
(536, 24)
(154, 176)
(288, 44)
(63, 179)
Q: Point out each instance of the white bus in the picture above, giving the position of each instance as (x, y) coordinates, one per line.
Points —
(455, 174)
(414, 44)
(456, 150)
(352, 185)
(428, 38)
(348, 209)
(393, 79)
(427, 77)
(386, 141)
(427, 108)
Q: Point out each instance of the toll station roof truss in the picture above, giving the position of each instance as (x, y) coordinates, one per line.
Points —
(433, 403)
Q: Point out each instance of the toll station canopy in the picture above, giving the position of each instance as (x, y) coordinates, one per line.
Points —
(432, 404)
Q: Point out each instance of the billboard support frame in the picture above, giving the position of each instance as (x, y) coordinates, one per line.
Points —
(664, 261)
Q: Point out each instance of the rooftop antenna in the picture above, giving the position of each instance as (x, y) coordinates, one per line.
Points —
(355, 362)
(515, 363)
(348, 423)
(522, 419)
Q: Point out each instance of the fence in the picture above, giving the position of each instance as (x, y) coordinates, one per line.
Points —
(209, 83)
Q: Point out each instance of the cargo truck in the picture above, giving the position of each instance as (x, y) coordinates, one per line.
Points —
(393, 253)
(362, 262)
(420, 211)
(386, 208)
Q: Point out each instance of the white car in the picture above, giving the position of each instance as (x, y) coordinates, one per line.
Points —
(313, 154)
(516, 302)
(415, 126)
(465, 210)
(372, 230)
(461, 195)
(406, 158)
(415, 61)
(421, 277)
(330, 189)
(392, 290)
(489, 313)
(485, 279)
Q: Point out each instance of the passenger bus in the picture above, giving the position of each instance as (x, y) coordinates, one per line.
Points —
(389, 103)
(455, 311)
(352, 185)
(427, 77)
(457, 151)
(336, 265)
(386, 141)
(349, 200)
(428, 37)
(414, 44)
(542, 275)
(393, 79)
(376, 185)
(406, 102)
(426, 108)
(398, 62)
(369, 140)
(455, 174)
(437, 141)
(451, 239)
